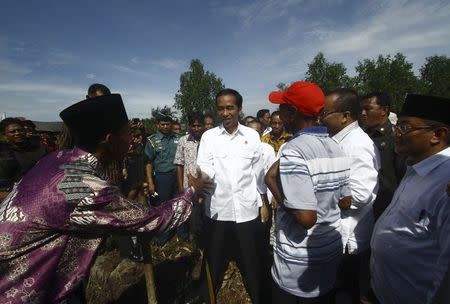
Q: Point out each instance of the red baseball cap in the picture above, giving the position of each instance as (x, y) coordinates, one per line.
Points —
(305, 96)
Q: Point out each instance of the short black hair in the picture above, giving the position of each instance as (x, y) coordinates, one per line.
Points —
(209, 115)
(275, 113)
(29, 123)
(382, 98)
(232, 92)
(93, 88)
(287, 107)
(196, 116)
(347, 100)
(261, 113)
(9, 121)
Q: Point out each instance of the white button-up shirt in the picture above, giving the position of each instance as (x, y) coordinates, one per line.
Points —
(269, 157)
(411, 239)
(235, 163)
(357, 222)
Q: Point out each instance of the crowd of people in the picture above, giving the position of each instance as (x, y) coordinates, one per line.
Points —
(324, 200)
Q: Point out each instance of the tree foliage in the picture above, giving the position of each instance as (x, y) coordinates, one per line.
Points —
(198, 89)
(393, 75)
(328, 75)
(435, 76)
(282, 86)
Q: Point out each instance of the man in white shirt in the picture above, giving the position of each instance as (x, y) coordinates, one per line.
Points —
(340, 116)
(411, 239)
(269, 157)
(230, 155)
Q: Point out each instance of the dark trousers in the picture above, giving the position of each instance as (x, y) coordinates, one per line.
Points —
(196, 225)
(283, 297)
(166, 185)
(241, 242)
(353, 274)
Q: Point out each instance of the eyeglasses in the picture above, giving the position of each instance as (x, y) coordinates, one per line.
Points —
(326, 113)
(405, 129)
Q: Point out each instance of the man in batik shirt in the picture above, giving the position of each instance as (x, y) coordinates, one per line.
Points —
(54, 219)
(186, 163)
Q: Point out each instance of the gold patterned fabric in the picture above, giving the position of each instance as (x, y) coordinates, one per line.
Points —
(276, 143)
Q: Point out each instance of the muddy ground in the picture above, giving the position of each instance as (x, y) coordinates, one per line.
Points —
(114, 279)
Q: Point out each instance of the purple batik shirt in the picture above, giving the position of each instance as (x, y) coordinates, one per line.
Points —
(53, 221)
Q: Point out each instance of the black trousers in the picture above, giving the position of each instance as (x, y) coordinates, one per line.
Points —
(283, 297)
(353, 275)
(166, 185)
(241, 242)
(196, 225)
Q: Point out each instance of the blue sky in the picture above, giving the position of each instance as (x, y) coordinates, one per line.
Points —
(51, 51)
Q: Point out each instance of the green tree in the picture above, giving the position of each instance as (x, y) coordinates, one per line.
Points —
(328, 75)
(435, 76)
(198, 89)
(393, 75)
(282, 86)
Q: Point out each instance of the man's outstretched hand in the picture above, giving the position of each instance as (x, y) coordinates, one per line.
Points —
(202, 184)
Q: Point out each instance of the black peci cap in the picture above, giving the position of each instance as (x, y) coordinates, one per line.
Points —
(427, 107)
(95, 117)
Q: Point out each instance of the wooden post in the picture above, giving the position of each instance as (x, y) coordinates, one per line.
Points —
(150, 280)
(148, 267)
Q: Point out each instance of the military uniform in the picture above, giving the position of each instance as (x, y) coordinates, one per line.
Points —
(392, 167)
(160, 151)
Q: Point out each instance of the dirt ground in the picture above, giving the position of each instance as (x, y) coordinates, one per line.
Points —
(117, 280)
(114, 279)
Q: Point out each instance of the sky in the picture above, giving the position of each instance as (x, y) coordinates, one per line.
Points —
(52, 50)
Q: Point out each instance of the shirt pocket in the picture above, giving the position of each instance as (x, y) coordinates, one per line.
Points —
(247, 154)
(417, 221)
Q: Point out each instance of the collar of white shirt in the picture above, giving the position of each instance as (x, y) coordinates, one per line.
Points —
(223, 131)
(425, 166)
(344, 132)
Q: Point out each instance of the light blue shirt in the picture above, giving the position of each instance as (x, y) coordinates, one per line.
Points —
(411, 240)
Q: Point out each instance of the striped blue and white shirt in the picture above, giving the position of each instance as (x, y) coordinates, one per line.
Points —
(314, 174)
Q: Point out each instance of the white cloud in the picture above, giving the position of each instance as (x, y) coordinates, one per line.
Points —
(37, 100)
(256, 11)
(128, 70)
(168, 63)
(9, 69)
(417, 29)
(90, 76)
(43, 101)
(59, 57)
(135, 60)
(140, 101)
(25, 87)
(397, 27)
